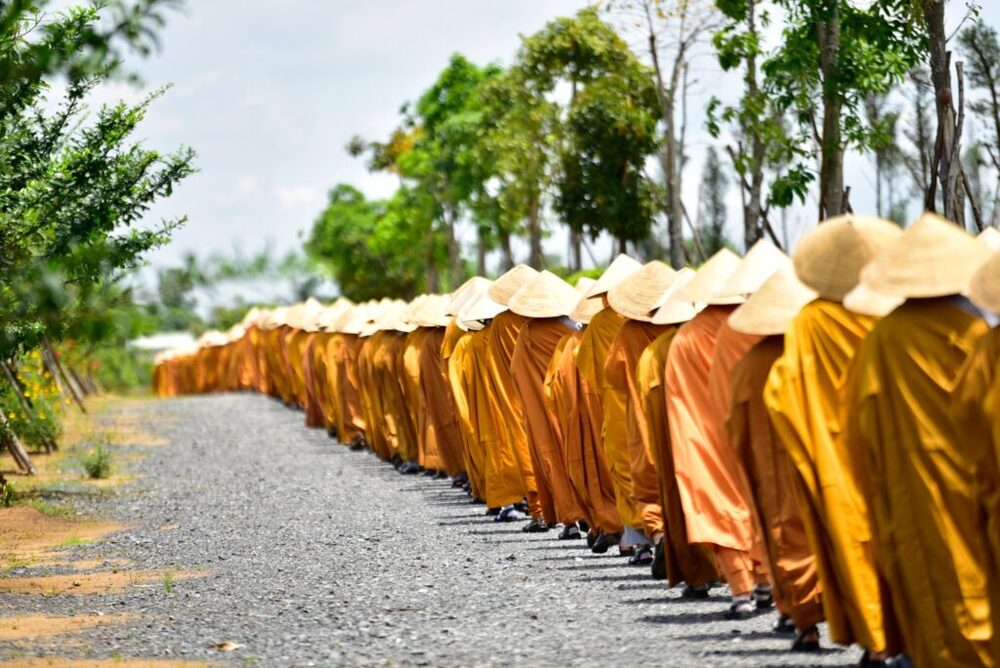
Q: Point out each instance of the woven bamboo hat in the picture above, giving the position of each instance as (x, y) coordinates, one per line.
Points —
(276, 318)
(865, 301)
(544, 296)
(984, 288)
(431, 311)
(637, 295)
(671, 310)
(771, 309)
(830, 257)
(504, 287)
(353, 321)
(932, 258)
(235, 333)
(707, 285)
(211, 339)
(481, 308)
(617, 271)
(467, 292)
(251, 317)
(587, 307)
(991, 238)
(759, 264)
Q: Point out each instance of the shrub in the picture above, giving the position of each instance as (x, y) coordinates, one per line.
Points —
(96, 461)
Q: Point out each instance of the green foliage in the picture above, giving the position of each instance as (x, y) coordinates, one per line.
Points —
(96, 460)
(38, 420)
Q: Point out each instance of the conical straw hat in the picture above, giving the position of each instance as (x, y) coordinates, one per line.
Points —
(433, 311)
(587, 307)
(410, 310)
(466, 293)
(706, 286)
(865, 301)
(932, 258)
(481, 308)
(276, 318)
(504, 287)
(328, 317)
(617, 271)
(358, 318)
(235, 333)
(984, 288)
(212, 339)
(251, 317)
(759, 264)
(990, 237)
(771, 309)
(830, 257)
(671, 310)
(544, 296)
(637, 296)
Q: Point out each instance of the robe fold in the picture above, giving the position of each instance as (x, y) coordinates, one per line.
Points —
(454, 352)
(387, 376)
(347, 411)
(578, 409)
(685, 561)
(790, 563)
(370, 401)
(805, 396)
(442, 415)
(536, 344)
(921, 480)
(591, 357)
(419, 410)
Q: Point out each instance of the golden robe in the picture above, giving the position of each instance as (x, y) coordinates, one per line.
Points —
(387, 375)
(685, 561)
(580, 422)
(536, 345)
(805, 396)
(454, 351)
(922, 480)
(348, 411)
(591, 357)
(426, 441)
(620, 373)
(370, 399)
(258, 343)
(442, 415)
(314, 377)
(790, 563)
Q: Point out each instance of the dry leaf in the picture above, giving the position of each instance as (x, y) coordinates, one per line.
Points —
(226, 646)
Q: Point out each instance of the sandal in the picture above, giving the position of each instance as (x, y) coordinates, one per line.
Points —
(800, 644)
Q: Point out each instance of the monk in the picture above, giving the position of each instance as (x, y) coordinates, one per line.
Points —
(804, 395)
(387, 376)
(454, 351)
(920, 470)
(426, 443)
(547, 301)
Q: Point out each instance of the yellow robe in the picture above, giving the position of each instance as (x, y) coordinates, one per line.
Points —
(805, 396)
(591, 357)
(426, 440)
(369, 397)
(454, 350)
(387, 376)
(686, 562)
(790, 563)
(922, 480)
(442, 415)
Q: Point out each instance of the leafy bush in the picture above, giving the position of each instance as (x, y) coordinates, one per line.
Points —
(41, 422)
(96, 461)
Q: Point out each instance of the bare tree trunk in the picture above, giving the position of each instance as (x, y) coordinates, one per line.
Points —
(57, 365)
(506, 254)
(481, 251)
(752, 203)
(17, 450)
(536, 257)
(456, 272)
(945, 164)
(26, 404)
(433, 275)
(831, 173)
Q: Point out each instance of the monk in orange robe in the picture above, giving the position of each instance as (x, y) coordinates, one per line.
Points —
(536, 345)
(348, 410)
(442, 415)
(426, 444)
(454, 352)
(580, 422)
(370, 399)
(388, 374)
(684, 561)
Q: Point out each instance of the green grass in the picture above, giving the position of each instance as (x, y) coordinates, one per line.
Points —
(168, 581)
(73, 541)
(96, 461)
(64, 511)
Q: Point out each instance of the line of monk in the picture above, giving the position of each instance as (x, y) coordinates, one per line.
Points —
(819, 433)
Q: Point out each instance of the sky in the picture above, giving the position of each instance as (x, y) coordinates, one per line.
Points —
(269, 93)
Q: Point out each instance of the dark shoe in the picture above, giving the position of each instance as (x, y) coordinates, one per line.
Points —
(739, 611)
(409, 468)
(332, 432)
(783, 624)
(459, 481)
(763, 599)
(643, 556)
(584, 527)
(691, 593)
(510, 514)
(536, 525)
(492, 512)
(800, 644)
(626, 550)
(591, 539)
(604, 542)
(430, 473)
(359, 443)
(868, 662)
(570, 532)
(440, 475)
(658, 569)
(396, 461)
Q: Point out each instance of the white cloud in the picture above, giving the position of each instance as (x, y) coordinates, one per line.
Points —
(290, 196)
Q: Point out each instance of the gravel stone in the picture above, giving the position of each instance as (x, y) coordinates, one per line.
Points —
(316, 555)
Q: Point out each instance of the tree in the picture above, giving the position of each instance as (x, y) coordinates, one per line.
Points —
(920, 135)
(712, 212)
(886, 154)
(982, 50)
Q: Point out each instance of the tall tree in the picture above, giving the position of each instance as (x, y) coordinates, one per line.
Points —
(920, 134)
(981, 48)
(712, 214)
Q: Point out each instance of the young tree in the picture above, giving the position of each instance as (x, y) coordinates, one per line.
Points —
(712, 212)
(920, 134)
(981, 48)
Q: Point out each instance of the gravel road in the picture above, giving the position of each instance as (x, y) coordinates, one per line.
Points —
(316, 555)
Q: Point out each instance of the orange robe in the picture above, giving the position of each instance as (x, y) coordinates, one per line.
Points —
(510, 460)
(314, 376)
(580, 422)
(418, 409)
(536, 345)
(921, 480)
(276, 368)
(347, 410)
(455, 351)
(591, 357)
(685, 561)
(295, 351)
(387, 376)
(716, 509)
(790, 563)
(370, 400)
(620, 373)
(805, 396)
(442, 415)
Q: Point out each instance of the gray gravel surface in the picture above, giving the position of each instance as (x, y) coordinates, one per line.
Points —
(320, 556)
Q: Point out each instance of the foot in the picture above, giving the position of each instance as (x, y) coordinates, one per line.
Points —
(359, 443)
(699, 592)
(783, 624)
(658, 569)
(459, 481)
(740, 610)
(871, 660)
(510, 514)
(570, 532)
(332, 432)
(440, 475)
(763, 599)
(643, 556)
(626, 550)
(591, 539)
(492, 512)
(409, 468)
(806, 641)
(584, 527)
(604, 542)
(536, 525)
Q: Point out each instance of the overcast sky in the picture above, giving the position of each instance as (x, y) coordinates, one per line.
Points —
(268, 93)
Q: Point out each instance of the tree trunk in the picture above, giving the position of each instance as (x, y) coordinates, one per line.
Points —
(26, 404)
(481, 251)
(433, 275)
(17, 450)
(456, 272)
(536, 258)
(506, 254)
(947, 145)
(575, 251)
(831, 173)
(752, 207)
(57, 365)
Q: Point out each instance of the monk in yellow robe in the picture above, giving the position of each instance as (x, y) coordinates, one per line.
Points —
(370, 400)
(442, 415)
(580, 422)
(258, 342)
(388, 375)
(454, 352)
(348, 412)
(684, 561)
(426, 444)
